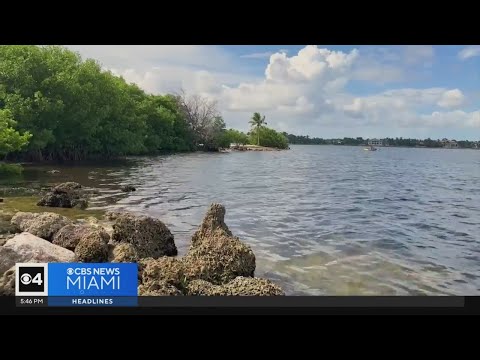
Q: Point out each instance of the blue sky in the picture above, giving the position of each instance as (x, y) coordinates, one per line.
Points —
(319, 90)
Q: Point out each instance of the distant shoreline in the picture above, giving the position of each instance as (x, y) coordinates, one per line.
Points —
(391, 146)
(252, 148)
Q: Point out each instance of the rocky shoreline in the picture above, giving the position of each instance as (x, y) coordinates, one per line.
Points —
(216, 264)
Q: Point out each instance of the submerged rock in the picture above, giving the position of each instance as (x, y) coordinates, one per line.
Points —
(69, 236)
(128, 188)
(93, 247)
(43, 225)
(66, 187)
(112, 215)
(215, 254)
(80, 204)
(26, 247)
(149, 236)
(65, 195)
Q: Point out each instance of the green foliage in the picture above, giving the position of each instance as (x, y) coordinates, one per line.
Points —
(75, 110)
(257, 122)
(269, 138)
(10, 169)
(233, 136)
(10, 139)
(214, 136)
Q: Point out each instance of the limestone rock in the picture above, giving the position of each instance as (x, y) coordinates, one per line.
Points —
(7, 282)
(43, 225)
(124, 252)
(69, 236)
(158, 288)
(93, 247)
(26, 247)
(149, 236)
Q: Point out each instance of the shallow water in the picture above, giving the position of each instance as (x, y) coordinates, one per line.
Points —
(332, 220)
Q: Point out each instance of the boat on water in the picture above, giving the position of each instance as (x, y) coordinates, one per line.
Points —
(370, 148)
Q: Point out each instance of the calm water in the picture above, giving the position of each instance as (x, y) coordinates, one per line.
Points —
(321, 219)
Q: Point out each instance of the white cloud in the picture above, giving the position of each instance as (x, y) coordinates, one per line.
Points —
(451, 98)
(456, 118)
(311, 63)
(469, 52)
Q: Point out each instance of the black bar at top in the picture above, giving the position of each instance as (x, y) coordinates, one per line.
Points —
(302, 301)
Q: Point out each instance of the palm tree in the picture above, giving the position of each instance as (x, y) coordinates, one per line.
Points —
(257, 122)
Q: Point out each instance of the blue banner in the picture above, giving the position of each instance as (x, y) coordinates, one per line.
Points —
(83, 280)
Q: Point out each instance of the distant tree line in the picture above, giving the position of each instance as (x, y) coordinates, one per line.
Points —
(407, 142)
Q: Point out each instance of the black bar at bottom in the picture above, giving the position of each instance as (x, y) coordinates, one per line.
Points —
(31, 301)
(302, 301)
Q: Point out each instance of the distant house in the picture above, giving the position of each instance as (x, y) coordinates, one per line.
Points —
(375, 142)
(449, 144)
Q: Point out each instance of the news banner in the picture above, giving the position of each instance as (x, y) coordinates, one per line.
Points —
(116, 285)
(76, 284)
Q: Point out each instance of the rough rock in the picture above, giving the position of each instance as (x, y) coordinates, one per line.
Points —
(80, 204)
(69, 236)
(215, 254)
(7, 282)
(20, 219)
(240, 286)
(43, 225)
(149, 236)
(219, 260)
(5, 237)
(92, 220)
(158, 288)
(66, 187)
(248, 286)
(65, 195)
(128, 188)
(6, 227)
(112, 215)
(93, 247)
(26, 247)
(124, 252)
(167, 269)
(213, 225)
(203, 288)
